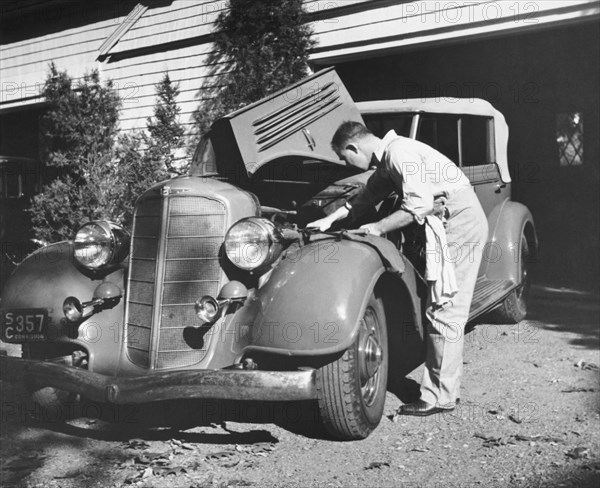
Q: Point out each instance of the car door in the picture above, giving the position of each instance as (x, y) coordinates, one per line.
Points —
(468, 140)
(477, 158)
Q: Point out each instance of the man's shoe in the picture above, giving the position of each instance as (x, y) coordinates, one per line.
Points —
(421, 408)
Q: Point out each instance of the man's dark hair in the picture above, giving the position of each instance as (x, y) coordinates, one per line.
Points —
(348, 131)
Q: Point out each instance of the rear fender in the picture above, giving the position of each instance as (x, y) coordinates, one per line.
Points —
(501, 255)
(48, 276)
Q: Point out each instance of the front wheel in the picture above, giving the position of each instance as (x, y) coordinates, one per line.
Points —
(351, 390)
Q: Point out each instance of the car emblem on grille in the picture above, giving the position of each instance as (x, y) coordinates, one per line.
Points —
(167, 190)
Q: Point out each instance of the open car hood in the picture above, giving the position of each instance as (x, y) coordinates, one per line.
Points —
(296, 122)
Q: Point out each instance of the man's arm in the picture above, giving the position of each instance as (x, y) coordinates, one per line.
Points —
(397, 220)
(326, 222)
(378, 186)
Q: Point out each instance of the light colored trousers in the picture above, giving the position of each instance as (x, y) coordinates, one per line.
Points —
(467, 233)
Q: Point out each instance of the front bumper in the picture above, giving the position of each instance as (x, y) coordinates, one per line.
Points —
(220, 384)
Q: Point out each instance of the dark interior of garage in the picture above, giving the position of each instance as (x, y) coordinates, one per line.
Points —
(545, 82)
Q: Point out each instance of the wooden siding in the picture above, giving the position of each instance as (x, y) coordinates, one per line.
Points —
(24, 64)
(137, 61)
(178, 38)
(403, 25)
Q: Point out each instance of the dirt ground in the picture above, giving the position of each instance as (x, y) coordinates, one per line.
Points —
(529, 416)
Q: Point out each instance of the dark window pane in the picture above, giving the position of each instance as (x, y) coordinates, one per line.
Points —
(441, 133)
(475, 136)
(11, 185)
(381, 124)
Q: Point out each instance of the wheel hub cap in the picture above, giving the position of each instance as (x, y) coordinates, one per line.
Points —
(373, 356)
(370, 357)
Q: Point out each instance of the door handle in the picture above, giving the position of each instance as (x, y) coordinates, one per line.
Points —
(499, 186)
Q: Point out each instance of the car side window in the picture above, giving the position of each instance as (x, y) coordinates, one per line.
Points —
(441, 133)
(476, 146)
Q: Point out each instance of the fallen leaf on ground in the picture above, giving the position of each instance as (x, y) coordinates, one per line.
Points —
(151, 458)
(584, 365)
(225, 459)
(262, 448)
(71, 474)
(167, 470)
(536, 438)
(183, 445)
(578, 453)
(377, 465)
(219, 456)
(419, 449)
(142, 475)
(491, 441)
(521, 437)
(136, 444)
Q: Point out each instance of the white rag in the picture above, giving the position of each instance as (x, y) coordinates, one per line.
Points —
(439, 270)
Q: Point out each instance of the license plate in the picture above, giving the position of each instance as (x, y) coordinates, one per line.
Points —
(24, 325)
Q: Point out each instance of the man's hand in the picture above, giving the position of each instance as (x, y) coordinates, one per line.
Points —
(321, 224)
(439, 207)
(326, 222)
(372, 229)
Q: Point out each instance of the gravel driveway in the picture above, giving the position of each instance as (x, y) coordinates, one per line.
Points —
(529, 416)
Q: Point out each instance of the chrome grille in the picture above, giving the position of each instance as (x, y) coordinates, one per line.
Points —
(171, 266)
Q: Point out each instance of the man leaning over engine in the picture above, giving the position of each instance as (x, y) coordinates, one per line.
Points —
(418, 173)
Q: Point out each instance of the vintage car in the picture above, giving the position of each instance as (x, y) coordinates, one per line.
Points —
(219, 291)
(20, 179)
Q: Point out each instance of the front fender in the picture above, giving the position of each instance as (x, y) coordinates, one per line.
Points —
(314, 299)
(502, 254)
(48, 276)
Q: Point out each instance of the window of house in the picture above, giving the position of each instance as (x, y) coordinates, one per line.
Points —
(11, 185)
(569, 138)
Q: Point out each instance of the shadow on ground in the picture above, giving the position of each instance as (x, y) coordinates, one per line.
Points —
(567, 310)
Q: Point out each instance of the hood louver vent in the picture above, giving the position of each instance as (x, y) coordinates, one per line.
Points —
(296, 122)
(276, 126)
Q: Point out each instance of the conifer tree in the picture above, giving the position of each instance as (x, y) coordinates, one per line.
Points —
(100, 172)
(166, 134)
(79, 131)
(260, 47)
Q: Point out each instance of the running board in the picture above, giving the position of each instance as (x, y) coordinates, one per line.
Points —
(488, 293)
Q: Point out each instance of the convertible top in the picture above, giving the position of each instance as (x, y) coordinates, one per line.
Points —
(457, 106)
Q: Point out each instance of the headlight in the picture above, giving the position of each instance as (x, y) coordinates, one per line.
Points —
(253, 243)
(99, 244)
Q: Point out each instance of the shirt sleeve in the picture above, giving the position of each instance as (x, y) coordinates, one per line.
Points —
(408, 170)
(378, 187)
